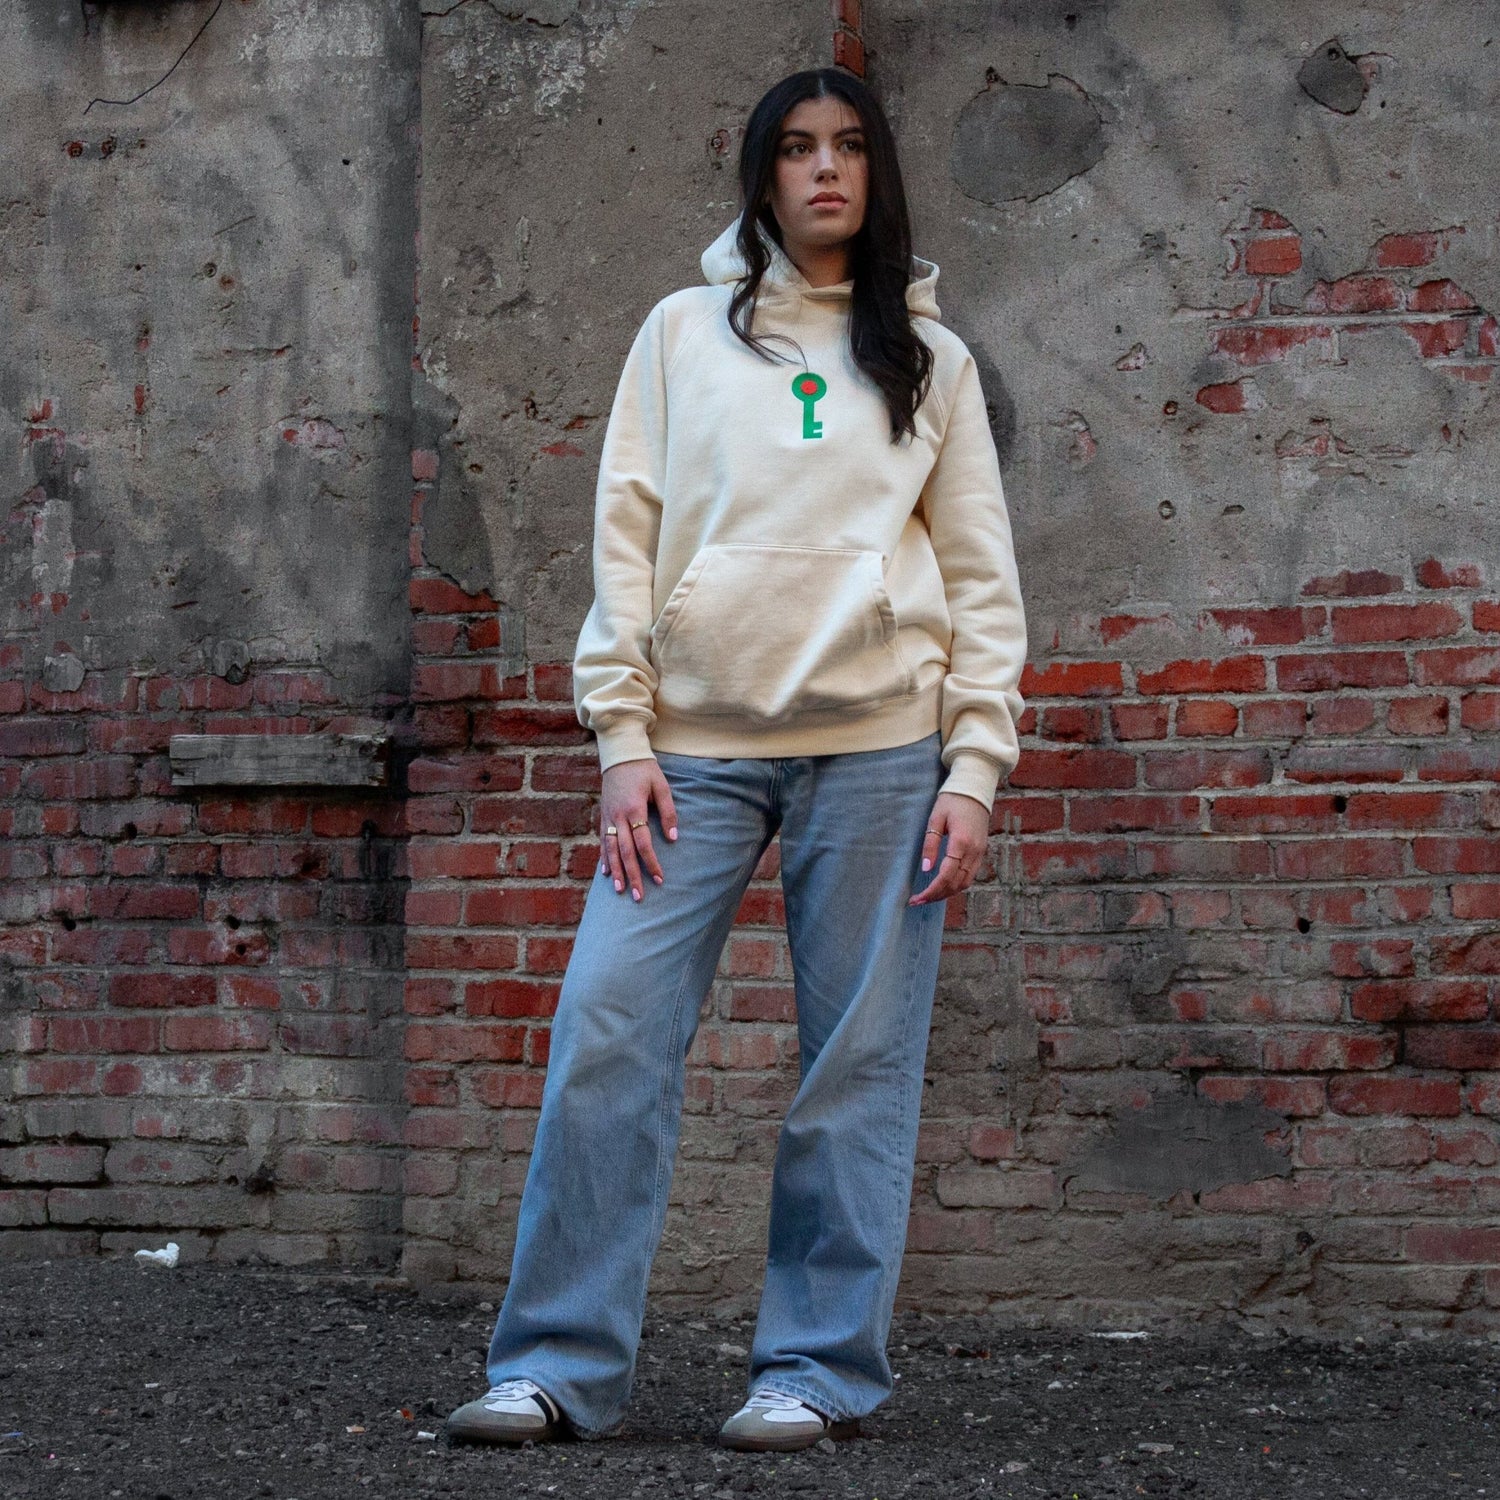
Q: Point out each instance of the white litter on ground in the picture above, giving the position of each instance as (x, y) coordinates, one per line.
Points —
(164, 1257)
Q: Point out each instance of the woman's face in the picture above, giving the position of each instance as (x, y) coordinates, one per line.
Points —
(821, 184)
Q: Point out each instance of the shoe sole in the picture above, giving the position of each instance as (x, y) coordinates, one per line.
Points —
(838, 1431)
(464, 1433)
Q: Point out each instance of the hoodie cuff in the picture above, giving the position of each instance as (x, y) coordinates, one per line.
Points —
(626, 740)
(973, 775)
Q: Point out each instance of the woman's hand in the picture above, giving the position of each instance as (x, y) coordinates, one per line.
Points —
(967, 825)
(630, 787)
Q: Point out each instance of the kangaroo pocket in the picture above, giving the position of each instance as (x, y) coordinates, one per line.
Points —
(760, 632)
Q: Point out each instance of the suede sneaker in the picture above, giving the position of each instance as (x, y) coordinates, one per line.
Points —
(770, 1422)
(515, 1411)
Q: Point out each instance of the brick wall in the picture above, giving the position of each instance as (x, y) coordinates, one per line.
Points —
(200, 995)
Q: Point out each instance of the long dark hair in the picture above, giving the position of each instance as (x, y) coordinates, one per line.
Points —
(881, 337)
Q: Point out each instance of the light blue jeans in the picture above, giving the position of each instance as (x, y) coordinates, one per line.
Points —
(865, 967)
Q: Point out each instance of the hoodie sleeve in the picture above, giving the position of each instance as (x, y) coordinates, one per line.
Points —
(614, 683)
(964, 503)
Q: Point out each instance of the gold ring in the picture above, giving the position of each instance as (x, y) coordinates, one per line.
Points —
(936, 831)
(612, 829)
(641, 824)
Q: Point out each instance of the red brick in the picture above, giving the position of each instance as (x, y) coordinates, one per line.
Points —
(1233, 674)
(491, 906)
(103, 1034)
(161, 990)
(1338, 859)
(1463, 1048)
(1439, 295)
(1436, 340)
(1458, 665)
(447, 682)
(453, 859)
(849, 52)
(26, 739)
(1338, 669)
(1458, 856)
(202, 1033)
(1274, 813)
(1353, 763)
(1461, 763)
(1433, 574)
(1341, 715)
(1207, 769)
(553, 681)
(1258, 345)
(1375, 958)
(1487, 614)
(1419, 716)
(1479, 712)
(1204, 858)
(508, 1090)
(1466, 954)
(1353, 294)
(512, 998)
(1070, 722)
(437, 596)
(1425, 621)
(1476, 903)
(1074, 768)
(1085, 860)
(135, 900)
(253, 814)
(1420, 1000)
(1349, 585)
(1113, 628)
(325, 1036)
(1287, 1096)
(1453, 1244)
(1226, 397)
(1406, 810)
(1122, 814)
(1286, 626)
(465, 1041)
(467, 773)
(1273, 255)
(1293, 1051)
(1139, 721)
(463, 951)
(1403, 251)
(1072, 679)
(529, 726)
(557, 816)
(1027, 814)
(65, 780)
(1275, 719)
(1206, 716)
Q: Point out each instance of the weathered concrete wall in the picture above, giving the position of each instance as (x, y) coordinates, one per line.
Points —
(207, 294)
(577, 159)
(1189, 424)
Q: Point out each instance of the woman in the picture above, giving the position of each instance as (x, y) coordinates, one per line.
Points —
(806, 620)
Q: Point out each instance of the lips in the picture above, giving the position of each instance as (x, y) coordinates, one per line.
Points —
(828, 198)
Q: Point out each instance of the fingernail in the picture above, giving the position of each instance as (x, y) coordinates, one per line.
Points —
(635, 892)
(926, 864)
(657, 879)
(672, 834)
(619, 885)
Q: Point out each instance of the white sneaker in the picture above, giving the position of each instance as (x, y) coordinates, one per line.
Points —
(773, 1422)
(515, 1411)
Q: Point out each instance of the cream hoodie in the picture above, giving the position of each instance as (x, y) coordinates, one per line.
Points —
(773, 576)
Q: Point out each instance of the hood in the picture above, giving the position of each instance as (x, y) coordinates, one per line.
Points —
(722, 264)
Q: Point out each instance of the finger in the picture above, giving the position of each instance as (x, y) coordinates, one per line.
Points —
(931, 841)
(646, 851)
(948, 880)
(666, 809)
(626, 846)
(610, 842)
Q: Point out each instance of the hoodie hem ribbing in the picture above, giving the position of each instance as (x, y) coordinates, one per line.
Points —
(897, 721)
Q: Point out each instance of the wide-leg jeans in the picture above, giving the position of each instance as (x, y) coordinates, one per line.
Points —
(865, 969)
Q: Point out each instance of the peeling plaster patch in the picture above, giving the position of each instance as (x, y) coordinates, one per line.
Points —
(1082, 448)
(1134, 358)
(52, 552)
(1182, 1144)
(1333, 78)
(62, 673)
(1023, 141)
(312, 432)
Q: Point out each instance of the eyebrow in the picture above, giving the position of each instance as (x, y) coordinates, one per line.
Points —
(845, 130)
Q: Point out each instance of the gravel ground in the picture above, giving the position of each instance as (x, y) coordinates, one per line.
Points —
(121, 1382)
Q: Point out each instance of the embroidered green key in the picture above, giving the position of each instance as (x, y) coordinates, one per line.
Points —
(809, 389)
